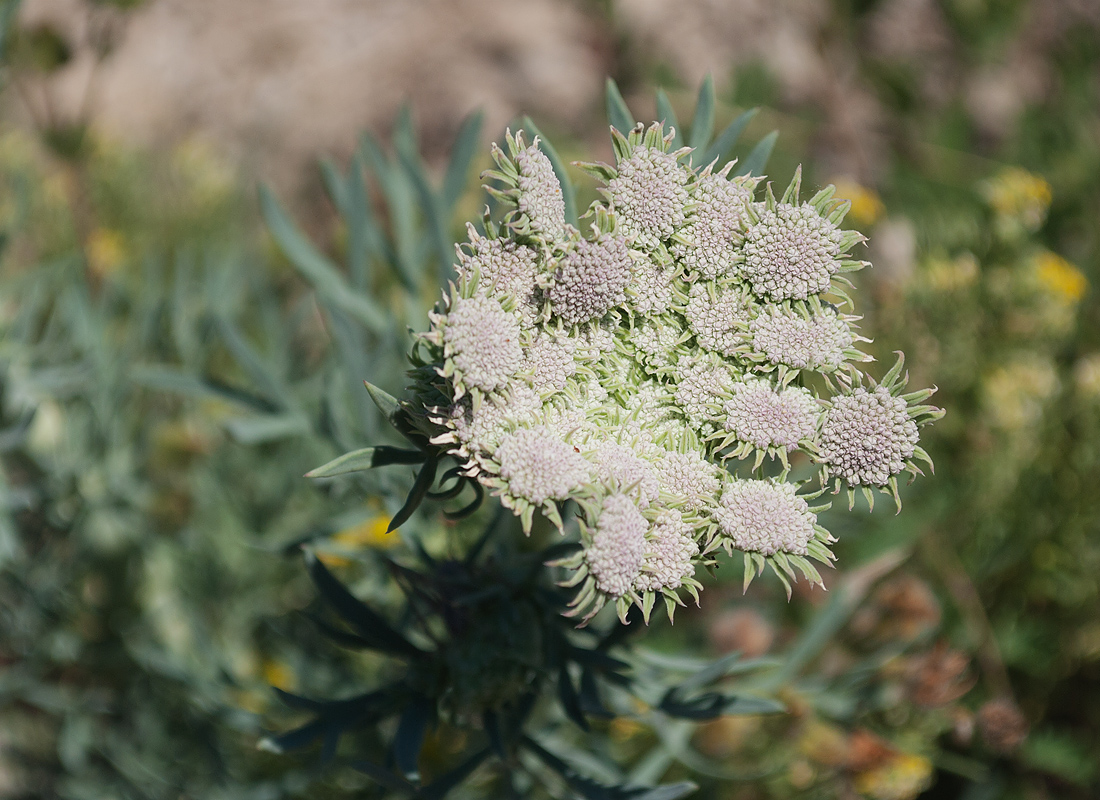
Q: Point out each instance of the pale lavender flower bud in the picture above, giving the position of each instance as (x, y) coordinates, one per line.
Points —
(719, 318)
(765, 517)
(785, 337)
(690, 478)
(482, 339)
(590, 279)
(670, 553)
(503, 266)
(538, 466)
(618, 466)
(618, 546)
(698, 388)
(868, 436)
(549, 362)
(540, 195)
(764, 417)
(791, 253)
(714, 230)
(648, 196)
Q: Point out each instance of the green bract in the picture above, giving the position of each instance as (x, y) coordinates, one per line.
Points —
(658, 368)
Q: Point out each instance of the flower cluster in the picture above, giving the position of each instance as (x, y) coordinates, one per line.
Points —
(671, 369)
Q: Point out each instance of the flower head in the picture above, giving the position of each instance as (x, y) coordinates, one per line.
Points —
(867, 437)
(765, 517)
(804, 342)
(715, 229)
(760, 415)
(791, 252)
(482, 340)
(690, 478)
(537, 465)
(502, 266)
(670, 554)
(617, 551)
(718, 316)
(540, 196)
(590, 279)
(648, 195)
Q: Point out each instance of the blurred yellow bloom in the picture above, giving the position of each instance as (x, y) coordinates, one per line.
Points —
(106, 251)
(278, 674)
(902, 777)
(1059, 277)
(1015, 393)
(951, 274)
(371, 533)
(623, 729)
(867, 207)
(1020, 196)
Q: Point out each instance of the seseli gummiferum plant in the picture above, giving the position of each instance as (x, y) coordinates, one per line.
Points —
(673, 374)
(654, 367)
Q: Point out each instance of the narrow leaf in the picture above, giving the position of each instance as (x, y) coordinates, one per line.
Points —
(316, 268)
(702, 124)
(758, 159)
(462, 155)
(441, 786)
(410, 736)
(617, 112)
(667, 115)
(423, 483)
(727, 139)
(367, 458)
(366, 622)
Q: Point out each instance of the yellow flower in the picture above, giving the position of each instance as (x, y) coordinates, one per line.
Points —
(278, 674)
(1059, 277)
(951, 274)
(106, 250)
(867, 207)
(370, 533)
(624, 728)
(1018, 195)
(902, 777)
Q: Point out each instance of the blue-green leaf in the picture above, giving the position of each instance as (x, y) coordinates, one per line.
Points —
(367, 458)
(726, 140)
(617, 112)
(757, 160)
(462, 154)
(667, 115)
(702, 124)
(317, 269)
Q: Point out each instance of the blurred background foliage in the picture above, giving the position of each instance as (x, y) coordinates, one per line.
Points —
(175, 354)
